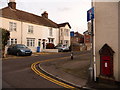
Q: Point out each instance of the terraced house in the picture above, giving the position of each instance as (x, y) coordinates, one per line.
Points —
(32, 30)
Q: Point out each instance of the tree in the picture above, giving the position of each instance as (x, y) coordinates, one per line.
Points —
(4, 37)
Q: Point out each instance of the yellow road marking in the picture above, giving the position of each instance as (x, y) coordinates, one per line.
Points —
(47, 77)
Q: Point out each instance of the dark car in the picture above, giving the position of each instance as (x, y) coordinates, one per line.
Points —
(19, 49)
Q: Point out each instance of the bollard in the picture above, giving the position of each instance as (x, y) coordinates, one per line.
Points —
(72, 56)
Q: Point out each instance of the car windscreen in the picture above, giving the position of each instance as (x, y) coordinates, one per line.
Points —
(21, 46)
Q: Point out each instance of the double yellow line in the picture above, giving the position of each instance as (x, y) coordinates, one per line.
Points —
(33, 67)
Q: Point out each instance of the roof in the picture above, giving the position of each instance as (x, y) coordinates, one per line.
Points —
(85, 32)
(20, 15)
(78, 34)
(63, 24)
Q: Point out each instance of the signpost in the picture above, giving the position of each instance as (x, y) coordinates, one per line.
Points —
(90, 17)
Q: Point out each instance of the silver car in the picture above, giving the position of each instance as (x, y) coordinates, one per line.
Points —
(62, 47)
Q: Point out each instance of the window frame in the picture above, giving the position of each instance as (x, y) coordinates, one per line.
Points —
(12, 41)
(30, 29)
(30, 42)
(50, 31)
(12, 26)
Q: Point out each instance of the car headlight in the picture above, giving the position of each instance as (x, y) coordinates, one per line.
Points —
(22, 50)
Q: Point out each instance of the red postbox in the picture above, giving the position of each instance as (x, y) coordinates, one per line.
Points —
(106, 61)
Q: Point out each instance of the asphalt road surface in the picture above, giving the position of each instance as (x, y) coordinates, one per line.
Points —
(16, 73)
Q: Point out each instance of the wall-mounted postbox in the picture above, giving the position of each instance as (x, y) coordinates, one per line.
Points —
(106, 61)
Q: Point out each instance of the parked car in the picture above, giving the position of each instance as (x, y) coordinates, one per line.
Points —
(19, 49)
(62, 48)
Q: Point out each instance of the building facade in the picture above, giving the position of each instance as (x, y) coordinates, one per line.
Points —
(87, 40)
(106, 38)
(64, 33)
(77, 38)
(30, 29)
(77, 41)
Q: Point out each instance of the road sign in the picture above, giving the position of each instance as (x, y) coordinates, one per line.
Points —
(90, 14)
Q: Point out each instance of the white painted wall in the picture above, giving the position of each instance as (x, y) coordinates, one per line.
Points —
(65, 37)
(39, 32)
(106, 31)
(13, 34)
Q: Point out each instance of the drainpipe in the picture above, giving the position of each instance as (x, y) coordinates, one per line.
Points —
(94, 58)
(21, 31)
(93, 46)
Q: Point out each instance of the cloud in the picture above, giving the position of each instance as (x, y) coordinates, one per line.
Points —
(63, 9)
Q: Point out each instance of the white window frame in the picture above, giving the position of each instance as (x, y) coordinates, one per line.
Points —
(51, 31)
(51, 40)
(12, 41)
(30, 42)
(12, 26)
(30, 29)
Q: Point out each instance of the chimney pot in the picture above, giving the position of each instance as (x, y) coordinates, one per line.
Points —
(12, 4)
(45, 14)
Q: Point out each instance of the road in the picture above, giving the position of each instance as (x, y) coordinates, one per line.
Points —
(18, 74)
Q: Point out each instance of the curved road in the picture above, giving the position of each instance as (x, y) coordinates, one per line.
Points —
(16, 73)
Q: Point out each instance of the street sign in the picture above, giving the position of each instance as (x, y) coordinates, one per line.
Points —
(72, 33)
(90, 14)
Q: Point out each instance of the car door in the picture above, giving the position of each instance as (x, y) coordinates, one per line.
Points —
(14, 49)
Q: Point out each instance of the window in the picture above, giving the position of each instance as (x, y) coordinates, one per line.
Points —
(30, 42)
(61, 32)
(30, 29)
(12, 26)
(12, 41)
(51, 32)
(66, 32)
(51, 40)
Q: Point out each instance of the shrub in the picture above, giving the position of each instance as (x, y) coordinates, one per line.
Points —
(50, 46)
(4, 37)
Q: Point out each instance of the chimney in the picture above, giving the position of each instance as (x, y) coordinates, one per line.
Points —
(45, 14)
(12, 4)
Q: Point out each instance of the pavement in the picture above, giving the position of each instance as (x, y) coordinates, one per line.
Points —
(75, 72)
(34, 54)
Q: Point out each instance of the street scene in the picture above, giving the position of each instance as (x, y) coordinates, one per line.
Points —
(60, 44)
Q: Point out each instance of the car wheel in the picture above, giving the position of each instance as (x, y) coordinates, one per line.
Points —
(18, 54)
(30, 54)
(8, 53)
(61, 50)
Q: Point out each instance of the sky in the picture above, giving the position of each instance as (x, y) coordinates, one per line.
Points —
(59, 11)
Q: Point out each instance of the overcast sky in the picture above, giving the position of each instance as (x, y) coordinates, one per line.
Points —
(60, 11)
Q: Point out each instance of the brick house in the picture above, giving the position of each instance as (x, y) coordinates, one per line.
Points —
(87, 40)
(77, 39)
